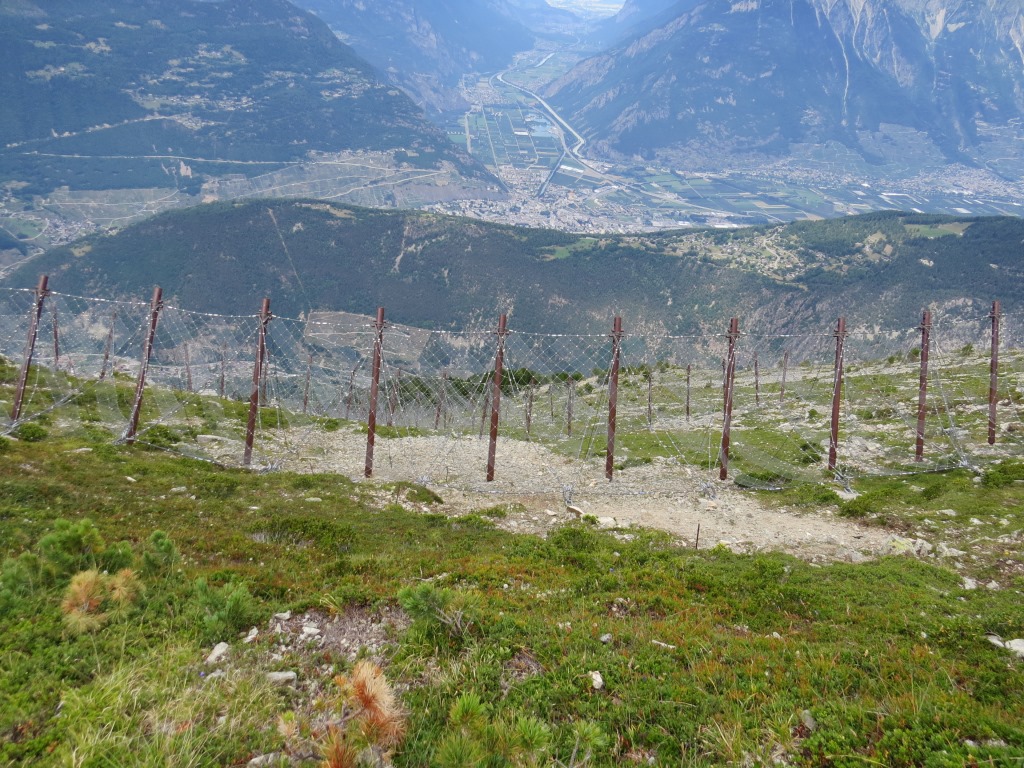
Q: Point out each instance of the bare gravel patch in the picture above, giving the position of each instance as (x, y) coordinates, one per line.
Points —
(543, 489)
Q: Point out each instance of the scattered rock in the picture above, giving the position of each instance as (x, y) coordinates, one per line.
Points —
(969, 583)
(313, 499)
(179, 489)
(309, 630)
(947, 512)
(808, 721)
(574, 510)
(596, 680)
(251, 636)
(853, 556)
(992, 585)
(898, 545)
(273, 758)
(282, 678)
(606, 522)
(942, 550)
(996, 640)
(1017, 646)
(220, 650)
(82, 450)
(606, 638)
(283, 616)
(130, 479)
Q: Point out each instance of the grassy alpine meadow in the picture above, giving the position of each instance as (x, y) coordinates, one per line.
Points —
(123, 568)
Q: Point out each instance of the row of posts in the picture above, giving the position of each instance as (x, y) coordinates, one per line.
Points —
(494, 398)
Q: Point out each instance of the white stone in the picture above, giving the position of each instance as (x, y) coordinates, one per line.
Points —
(220, 650)
(251, 636)
(308, 630)
(281, 678)
(283, 616)
(1017, 646)
(179, 489)
(969, 583)
(130, 479)
(605, 638)
(314, 499)
(596, 680)
(263, 760)
(606, 522)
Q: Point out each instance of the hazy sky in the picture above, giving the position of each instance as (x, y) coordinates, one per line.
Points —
(596, 7)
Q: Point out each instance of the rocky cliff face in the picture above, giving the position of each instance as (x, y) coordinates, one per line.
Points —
(761, 75)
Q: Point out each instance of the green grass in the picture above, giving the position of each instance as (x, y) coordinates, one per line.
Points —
(712, 660)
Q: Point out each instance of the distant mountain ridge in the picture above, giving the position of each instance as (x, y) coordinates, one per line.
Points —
(741, 76)
(110, 93)
(443, 272)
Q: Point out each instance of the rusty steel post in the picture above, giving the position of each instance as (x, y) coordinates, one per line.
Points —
(613, 397)
(108, 346)
(650, 398)
(188, 371)
(371, 419)
(530, 391)
(757, 382)
(440, 399)
(993, 376)
(570, 400)
(730, 381)
(257, 379)
(785, 369)
(837, 394)
(499, 361)
(223, 368)
(156, 304)
(30, 345)
(922, 398)
(688, 367)
(305, 391)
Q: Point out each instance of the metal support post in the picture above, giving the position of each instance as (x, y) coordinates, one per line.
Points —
(499, 361)
(33, 329)
(730, 380)
(993, 376)
(837, 394)
(922, 398)
(156, 304)
(257, 380)
(613, 397)
(371, 419)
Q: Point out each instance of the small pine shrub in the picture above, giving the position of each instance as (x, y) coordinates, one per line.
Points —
(160, 555)
(226, 610)
(30, 433)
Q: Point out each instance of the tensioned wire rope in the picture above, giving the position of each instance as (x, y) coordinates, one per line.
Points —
(473, 422)
(82, 325)
(881, 391)
(72, 334)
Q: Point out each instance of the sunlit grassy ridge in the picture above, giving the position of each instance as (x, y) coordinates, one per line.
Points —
(713, 658)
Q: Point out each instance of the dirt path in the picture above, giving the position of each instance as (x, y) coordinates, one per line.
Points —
(539, 486)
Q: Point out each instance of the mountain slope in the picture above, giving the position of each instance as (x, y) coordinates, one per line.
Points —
(426, 47)
(115, 93)
(763, 75)
(438, 271)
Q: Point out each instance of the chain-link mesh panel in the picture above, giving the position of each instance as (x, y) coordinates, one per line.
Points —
(437, 393)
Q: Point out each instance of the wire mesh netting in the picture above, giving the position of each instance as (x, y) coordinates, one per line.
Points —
(309, 403)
